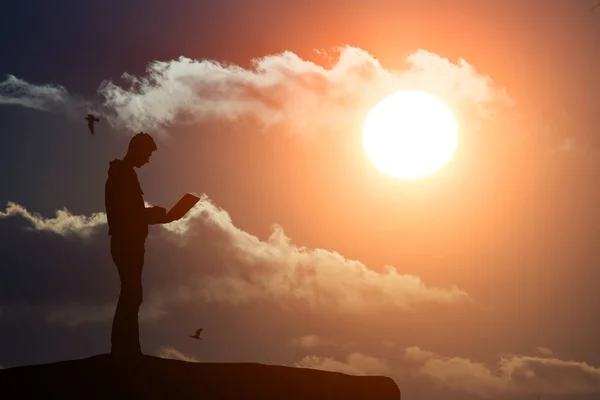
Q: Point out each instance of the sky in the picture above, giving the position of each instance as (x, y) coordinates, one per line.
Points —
(478, 281)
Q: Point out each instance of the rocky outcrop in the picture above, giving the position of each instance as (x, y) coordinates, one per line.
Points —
(104, 377)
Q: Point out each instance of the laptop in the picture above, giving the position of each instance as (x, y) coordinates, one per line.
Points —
(182, 207)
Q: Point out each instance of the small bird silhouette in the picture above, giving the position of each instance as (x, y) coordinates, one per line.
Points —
(197, 335)
(91, 119)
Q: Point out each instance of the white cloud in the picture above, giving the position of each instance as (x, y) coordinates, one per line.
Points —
(307, 341)
(355, 364)
(545, 351)
(281, 90)
(312, 341)
(174, 354)
(277, 269)
(47, 97)
(514, 375)
(432, 72)
(64, 223)
(15, 91)
(456, 373)
(252, 269)
(284, 89)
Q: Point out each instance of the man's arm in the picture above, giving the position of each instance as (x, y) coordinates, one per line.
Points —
(122, 204)
(116, 209)
(155, 215)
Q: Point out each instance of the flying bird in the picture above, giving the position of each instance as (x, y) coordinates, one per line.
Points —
(197, 335)
(91, 119)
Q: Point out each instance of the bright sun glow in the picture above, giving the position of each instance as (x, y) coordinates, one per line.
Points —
(410, 134)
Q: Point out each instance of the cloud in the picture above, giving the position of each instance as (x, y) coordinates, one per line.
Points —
(73, 315)
(250, 269)
(312, 341)
(64, 223)
(284, 89)
(15, 91)
(276, 269)
(514, 375)
(545, 351)
(307, 341)
(281, 90)
(174, 354)
(456, 373)
(458, 82)
(47, 97)
(355, 364)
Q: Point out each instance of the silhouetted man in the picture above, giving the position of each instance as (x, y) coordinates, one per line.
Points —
(128, 220)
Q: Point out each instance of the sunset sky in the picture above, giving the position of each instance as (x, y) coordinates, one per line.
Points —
(478, 281)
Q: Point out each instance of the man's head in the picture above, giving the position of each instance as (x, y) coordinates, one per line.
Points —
(140, 149)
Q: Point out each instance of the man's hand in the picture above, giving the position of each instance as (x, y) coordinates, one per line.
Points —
(169, 220)
(156, 215)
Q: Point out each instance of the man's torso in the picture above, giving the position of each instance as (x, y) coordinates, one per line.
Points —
(124, 202)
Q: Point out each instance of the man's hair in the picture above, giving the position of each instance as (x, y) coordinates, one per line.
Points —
(142, 141)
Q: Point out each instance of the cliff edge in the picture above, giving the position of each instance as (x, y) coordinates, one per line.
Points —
(103, 377)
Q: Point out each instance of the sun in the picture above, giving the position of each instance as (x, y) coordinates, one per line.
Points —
(410, 134)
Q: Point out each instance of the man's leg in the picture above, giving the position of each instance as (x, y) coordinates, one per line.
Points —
(129, 259)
